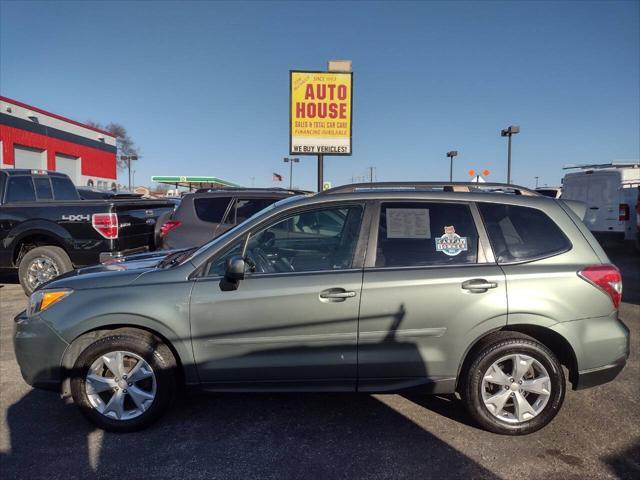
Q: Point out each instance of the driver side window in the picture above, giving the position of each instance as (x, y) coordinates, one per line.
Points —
(313, 240)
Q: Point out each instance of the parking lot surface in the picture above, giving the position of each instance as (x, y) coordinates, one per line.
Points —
(596, 435)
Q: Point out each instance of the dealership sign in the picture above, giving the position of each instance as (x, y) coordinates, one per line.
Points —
(320, 113)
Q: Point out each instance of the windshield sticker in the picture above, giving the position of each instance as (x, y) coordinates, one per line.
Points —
(408, 223)
(451, 243)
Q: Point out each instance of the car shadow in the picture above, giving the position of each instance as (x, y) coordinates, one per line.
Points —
(233, 436)
(8, 276)
(448, 406)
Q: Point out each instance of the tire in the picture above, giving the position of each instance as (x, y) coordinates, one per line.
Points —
(161, 384)
(54, 261)
(481, 395)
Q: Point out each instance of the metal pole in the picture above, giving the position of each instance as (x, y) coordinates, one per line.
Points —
(290, 173)
(451, 169)
(320, 172)
(509, 162)
(537, 182)
(129, 165)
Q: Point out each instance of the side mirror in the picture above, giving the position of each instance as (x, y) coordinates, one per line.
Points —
(235, 268)
(234, 272)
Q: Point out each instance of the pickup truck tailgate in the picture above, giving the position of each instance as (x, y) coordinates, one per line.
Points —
(137, 220)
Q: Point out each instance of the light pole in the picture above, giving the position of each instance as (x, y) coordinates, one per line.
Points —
(451, 154)
(536, 181)
(291, 161)
(128, 158)
(509, 132)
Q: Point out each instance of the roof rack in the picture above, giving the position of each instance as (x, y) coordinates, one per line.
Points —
(630, 163)
(464, 187)
(251, 189)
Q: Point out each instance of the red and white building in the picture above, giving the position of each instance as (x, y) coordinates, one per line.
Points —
(36, 139)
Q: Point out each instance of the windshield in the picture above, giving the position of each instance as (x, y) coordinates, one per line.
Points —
(233, 230)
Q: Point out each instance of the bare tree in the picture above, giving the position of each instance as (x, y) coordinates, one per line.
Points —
(124, 143)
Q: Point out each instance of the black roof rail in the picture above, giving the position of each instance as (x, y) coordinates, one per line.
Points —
(250, 189)
(464, 187)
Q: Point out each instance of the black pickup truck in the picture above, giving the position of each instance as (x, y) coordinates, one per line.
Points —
(46, 229)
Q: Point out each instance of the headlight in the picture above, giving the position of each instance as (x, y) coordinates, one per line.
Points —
(43, 299)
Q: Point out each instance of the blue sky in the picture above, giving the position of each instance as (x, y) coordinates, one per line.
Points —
(203, 86)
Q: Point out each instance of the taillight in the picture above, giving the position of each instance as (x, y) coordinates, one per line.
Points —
(168, 226)
(623, 212)
(607, 278)
(106, 224)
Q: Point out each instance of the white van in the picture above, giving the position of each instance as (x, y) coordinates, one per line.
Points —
(611, 193)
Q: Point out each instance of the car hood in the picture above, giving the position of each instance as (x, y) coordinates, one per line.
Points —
(115, 272)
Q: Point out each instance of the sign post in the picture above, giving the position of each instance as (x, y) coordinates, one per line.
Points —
(320, 113)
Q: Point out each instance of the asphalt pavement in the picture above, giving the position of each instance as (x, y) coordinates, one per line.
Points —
(596, 435)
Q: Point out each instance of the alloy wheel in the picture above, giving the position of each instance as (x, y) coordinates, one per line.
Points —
(516, 388)
(41, 269)
(120, 385)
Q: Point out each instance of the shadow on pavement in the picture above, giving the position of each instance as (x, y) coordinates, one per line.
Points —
(8, 276)
(233, 436)
(626, 464)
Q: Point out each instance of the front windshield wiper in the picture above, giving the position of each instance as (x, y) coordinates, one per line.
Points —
(176, 257)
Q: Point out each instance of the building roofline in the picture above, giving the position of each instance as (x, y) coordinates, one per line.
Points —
(55, 115)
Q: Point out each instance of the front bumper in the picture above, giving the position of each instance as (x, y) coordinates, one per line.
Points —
(105, 256)
(39, 352)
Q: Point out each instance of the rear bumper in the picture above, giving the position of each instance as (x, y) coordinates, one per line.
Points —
(104, 256)
(601, 348)
(598, 376)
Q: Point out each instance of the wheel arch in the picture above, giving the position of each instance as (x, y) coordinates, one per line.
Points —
(37, 237)
(555, 342)
(83, 340)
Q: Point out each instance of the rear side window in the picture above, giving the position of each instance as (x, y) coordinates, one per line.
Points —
(248, 208)
(20, 189)
(63, 189)
(43, 188)
(211, 209)
(413, 234)
(521, 233)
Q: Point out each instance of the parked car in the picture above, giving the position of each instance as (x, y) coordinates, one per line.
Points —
(553, 192)
(432, 288)
(610, 192)
(47, 230)
(209, 212)
(92, 193)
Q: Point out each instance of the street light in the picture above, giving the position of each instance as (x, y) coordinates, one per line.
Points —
(291, 161)
(128, 158)
(451, 154)
(509, 132)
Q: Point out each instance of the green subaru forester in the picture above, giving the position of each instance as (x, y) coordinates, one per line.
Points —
(490, 291)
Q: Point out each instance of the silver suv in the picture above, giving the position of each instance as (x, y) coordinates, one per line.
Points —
(487, 291)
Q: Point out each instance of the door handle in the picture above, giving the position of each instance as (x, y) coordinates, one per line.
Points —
(336, 295)
(478, 285)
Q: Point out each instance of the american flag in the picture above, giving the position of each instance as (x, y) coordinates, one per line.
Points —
(277, 177)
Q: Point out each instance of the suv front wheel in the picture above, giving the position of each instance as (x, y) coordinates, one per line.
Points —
(514, 386)
(124, 382)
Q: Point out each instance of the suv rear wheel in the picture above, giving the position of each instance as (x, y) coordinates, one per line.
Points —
(124, 382)
(514, 386)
